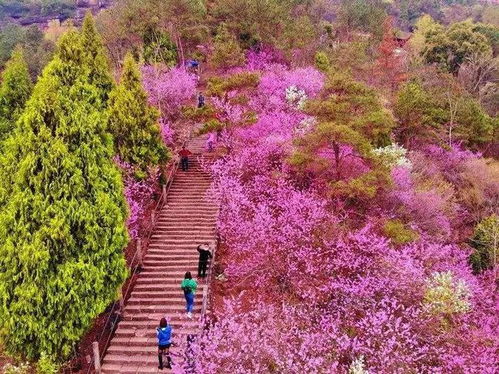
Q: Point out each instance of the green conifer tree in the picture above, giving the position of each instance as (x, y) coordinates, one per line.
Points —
(15, 90)
(62, 227)
(96, 58)
(227, 52)
(134, 123)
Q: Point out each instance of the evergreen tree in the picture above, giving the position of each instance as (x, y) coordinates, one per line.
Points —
(134, 123)
(228, 52)
(62, 228)
(14, 91)
(322, 150)
(96, 58)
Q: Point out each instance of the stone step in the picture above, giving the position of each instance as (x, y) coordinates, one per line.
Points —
(160, 280)
(208, 234)
(127, 338)
(187, 256)
(173, 260)
(152, 308)
(150, 321)
(167, 268)
(174, 296)
(118, 368)
(175, 222)
(173, 288)
(146, 350)
(170, 251)
(152, 299)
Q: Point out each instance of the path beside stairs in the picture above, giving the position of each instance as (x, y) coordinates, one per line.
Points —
(187, 220)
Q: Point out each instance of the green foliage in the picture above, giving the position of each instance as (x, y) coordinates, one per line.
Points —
(25, 9)
(424, 25)
(96, 58)
(398, 232)
(425, 110)
(45, 365)
(256, 22)
(62, 213)
(212, 125)
(486, 243)
(337, 127)
(362, 15)
(417, 111)
(227, 52)
(449, 47)
(126, 19)
(134, 123)
(37, 50)
(158, 47)
(322, 62)
(15, 90)
(219, 86)
(446, 295)
(199, 114)
(22, 368)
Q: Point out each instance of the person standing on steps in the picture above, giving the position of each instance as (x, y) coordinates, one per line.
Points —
(204, 256)
(200, 100)
(184, 158)
(210, 142)
(164, 335)
(189, 286)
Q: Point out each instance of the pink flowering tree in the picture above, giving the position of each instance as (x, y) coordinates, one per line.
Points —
(312, 285)
(138, 194)
(169, 89)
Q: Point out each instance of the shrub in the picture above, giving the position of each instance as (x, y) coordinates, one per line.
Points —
(46, 365)
(22, 368)
(446, 295)
(486, 243)
(398, 232)
(322, 62)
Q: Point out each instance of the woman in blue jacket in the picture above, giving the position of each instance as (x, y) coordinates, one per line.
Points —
(164, 334)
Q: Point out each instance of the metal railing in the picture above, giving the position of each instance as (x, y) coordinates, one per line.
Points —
(209, 280)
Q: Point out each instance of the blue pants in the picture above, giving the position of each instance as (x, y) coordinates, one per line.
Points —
(184, 161)
(189, 298)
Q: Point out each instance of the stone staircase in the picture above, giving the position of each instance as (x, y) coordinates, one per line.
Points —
(187, 220)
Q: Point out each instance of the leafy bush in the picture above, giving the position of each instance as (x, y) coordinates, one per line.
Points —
(46, 365)
(486, 243)
(22, 368)
(446, 295)
(398, 232)
(219, 86)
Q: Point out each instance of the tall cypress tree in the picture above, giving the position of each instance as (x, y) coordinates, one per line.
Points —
(15, 90)
(96, 58)
(62, 227)
(133, 122)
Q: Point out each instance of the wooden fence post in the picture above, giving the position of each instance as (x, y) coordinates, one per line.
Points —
(95, 346)
(139, 252)
(121, 306)
(164, 190)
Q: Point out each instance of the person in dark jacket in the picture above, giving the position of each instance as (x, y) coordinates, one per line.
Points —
(164, 334)
(200, 100)
(204, 256)
(184, 158)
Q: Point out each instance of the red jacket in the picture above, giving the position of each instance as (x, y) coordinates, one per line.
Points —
(185, 153)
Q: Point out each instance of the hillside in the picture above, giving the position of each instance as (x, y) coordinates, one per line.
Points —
(339, 158)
